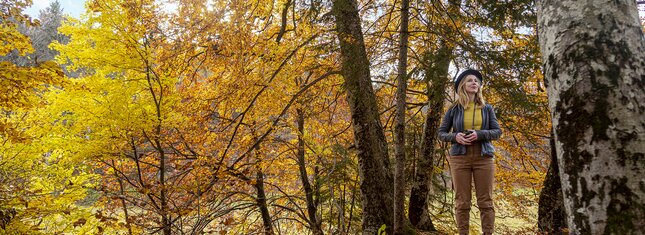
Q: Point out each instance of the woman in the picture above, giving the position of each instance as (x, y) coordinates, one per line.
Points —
(473, 125)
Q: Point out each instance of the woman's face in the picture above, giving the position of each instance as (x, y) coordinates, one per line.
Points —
(471, 84)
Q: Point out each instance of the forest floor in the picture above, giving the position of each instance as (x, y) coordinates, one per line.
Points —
(505, 223)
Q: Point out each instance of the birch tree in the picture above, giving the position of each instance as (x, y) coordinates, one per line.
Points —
(595, 69)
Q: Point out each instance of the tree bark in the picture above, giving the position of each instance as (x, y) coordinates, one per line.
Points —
(436, 72)
(595, 68)
(262, 203)
(399, 128)
(376, 181)
(551, 216)
(314, 222)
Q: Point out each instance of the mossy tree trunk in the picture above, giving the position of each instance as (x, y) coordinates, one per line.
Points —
(435, 65)
(595, 68)
(436, 75)
(376, 181)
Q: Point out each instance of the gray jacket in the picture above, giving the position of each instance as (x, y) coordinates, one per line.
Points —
(454, 119)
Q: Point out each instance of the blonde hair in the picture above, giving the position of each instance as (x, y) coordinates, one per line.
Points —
(462, 95)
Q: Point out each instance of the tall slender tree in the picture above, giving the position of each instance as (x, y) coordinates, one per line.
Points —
(376, 181)
(435, 63)
(399, 127)
(314, 221)
(436, 71)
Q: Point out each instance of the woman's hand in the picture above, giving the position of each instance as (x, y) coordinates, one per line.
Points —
(462, 139)
(472, 137)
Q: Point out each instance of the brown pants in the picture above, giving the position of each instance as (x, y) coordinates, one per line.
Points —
(465, 168)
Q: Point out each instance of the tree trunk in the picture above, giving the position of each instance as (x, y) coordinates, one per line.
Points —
(376, 181)
(399, 128)
(261, 200)
(165, 215)
(314, 223)
(122, 197)
(595, 69)
(262, 203)
(551, 216)
(164, 211)
(436, 72)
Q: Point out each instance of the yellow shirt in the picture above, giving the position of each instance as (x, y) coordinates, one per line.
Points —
(468, 117)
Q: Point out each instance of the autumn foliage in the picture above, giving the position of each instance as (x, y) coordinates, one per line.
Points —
(231, 117)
